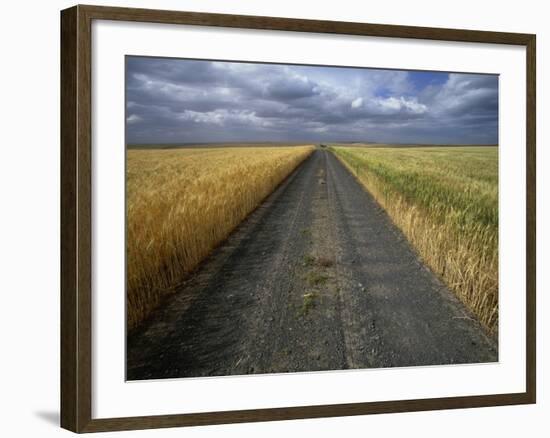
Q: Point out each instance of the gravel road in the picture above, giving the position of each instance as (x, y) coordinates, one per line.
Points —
(316, 278)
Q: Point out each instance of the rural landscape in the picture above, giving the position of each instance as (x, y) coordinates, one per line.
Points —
(297, 219)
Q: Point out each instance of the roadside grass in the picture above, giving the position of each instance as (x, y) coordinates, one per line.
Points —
(182, 203)
(445, 200)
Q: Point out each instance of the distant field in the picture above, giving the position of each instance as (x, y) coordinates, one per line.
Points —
(210, 145)
(181, 203)
(445, 200)
(404, 145)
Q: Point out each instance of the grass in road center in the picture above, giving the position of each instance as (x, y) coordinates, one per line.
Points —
(445, 200)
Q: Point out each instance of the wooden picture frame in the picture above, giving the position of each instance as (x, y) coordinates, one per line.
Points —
(76, 217)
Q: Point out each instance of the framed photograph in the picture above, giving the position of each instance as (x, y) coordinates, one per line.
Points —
(270, 218)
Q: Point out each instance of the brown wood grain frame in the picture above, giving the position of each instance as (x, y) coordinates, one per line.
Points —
(76, 217)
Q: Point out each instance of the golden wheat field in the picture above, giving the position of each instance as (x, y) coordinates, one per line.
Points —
(445, 200)
(182, 203)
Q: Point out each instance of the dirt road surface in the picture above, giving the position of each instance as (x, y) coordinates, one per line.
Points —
(317, 278)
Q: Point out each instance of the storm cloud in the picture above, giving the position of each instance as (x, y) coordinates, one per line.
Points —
(188, 101)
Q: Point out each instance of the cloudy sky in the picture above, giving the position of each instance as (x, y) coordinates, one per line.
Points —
(187, 101)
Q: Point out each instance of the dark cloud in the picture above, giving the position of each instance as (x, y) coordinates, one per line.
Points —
(290, 88)
(171, 100)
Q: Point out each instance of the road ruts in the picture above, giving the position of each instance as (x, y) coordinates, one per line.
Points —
(317, 278)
